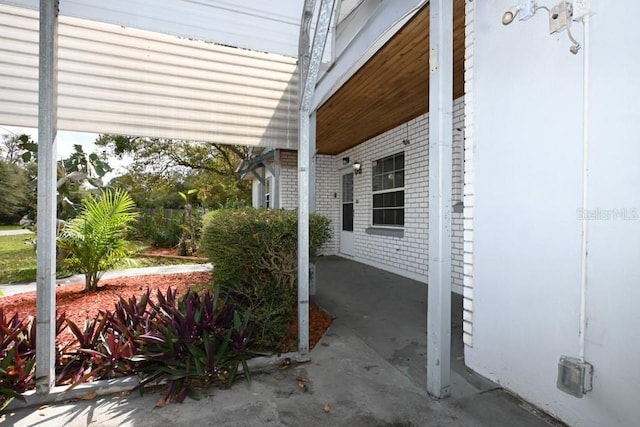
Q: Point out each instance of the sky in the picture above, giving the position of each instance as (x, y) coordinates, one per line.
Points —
(66, 141)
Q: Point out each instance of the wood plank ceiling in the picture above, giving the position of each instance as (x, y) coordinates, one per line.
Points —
(390, 89)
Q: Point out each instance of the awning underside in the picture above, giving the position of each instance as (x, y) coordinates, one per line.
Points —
(128, 81)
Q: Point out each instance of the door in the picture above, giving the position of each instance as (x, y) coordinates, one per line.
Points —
(346, 200)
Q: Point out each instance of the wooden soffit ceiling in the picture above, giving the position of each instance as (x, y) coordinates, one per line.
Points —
(390, 89)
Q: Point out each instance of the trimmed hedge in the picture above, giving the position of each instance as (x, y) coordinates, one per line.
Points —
(255, 257)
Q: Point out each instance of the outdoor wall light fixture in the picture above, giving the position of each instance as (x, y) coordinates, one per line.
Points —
(510, 15)
(345, 161)
(357, 168)
(526, 9)
(560, 17)
(406, 141)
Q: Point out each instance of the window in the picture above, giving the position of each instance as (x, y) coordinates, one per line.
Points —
(267, 192)
(388, 191)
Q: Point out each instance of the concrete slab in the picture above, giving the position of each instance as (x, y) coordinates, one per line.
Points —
(389, 313)
(359, 387)
(367, 371)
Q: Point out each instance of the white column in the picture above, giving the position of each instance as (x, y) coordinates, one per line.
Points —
(46, 244)
(440, 170)
(309, 58)
(312, 193)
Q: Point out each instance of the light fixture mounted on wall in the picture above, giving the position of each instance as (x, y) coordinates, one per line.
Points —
(560, 17)
(357, 168)
(406, 141)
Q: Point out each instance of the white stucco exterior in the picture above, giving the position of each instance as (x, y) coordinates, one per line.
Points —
(528, 128)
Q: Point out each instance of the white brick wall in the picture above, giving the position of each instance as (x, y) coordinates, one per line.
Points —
(468, 175)
(407, 255)
(328, 198)
(289, 179)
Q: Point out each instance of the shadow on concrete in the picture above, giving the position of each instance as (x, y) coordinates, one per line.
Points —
(389, 313)
(368, 370)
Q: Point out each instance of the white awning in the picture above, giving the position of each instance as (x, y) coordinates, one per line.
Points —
(123, 80)
(264, 26)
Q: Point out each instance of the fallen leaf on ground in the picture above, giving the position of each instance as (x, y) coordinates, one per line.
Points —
(90, 395)
(285, 364)
(324, 344)
(162, 403)
(302, 382)
(326, 408)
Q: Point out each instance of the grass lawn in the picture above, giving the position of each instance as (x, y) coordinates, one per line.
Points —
(10, 227)
(18, 259)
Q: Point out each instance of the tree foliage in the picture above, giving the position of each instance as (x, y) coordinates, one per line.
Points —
(160, 168)
(12, 147)
(96, 237)
(15, 195)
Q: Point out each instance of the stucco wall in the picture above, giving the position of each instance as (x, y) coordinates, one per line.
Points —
(528, 145)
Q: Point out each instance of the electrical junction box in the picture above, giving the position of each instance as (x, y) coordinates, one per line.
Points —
(581, 8)
(575, 376)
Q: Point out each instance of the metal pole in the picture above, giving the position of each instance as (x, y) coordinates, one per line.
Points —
(309, 68)
(303, 234)
(276, 179)
(46, 243)
(440, 176)
(312, 193)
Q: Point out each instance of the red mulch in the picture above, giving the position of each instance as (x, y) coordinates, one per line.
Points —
(77, 305)
(168, 252)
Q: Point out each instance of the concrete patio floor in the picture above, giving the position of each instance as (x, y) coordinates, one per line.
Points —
(368, 370)
(389, 313)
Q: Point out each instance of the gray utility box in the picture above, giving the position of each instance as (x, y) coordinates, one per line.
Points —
(575, 376)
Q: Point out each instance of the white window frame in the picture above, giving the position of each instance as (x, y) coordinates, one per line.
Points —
(268, 190)
(374, 193)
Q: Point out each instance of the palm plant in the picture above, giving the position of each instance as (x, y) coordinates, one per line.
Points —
(95, 238)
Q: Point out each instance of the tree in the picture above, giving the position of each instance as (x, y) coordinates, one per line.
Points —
(160, 164)
(73, 173)
(13, 148)
(96, 237)
(14, 192)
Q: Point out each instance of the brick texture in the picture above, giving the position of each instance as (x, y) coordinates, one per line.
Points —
(405, 255)
(467, 255)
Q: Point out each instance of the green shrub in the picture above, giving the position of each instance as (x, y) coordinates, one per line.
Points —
(159, 231)
(162, 231)
(255, 253)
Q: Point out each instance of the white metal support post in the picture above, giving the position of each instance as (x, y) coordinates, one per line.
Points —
(309, 65)
(440, 170)
(46, 243)
(276, 179)
(312, 193)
